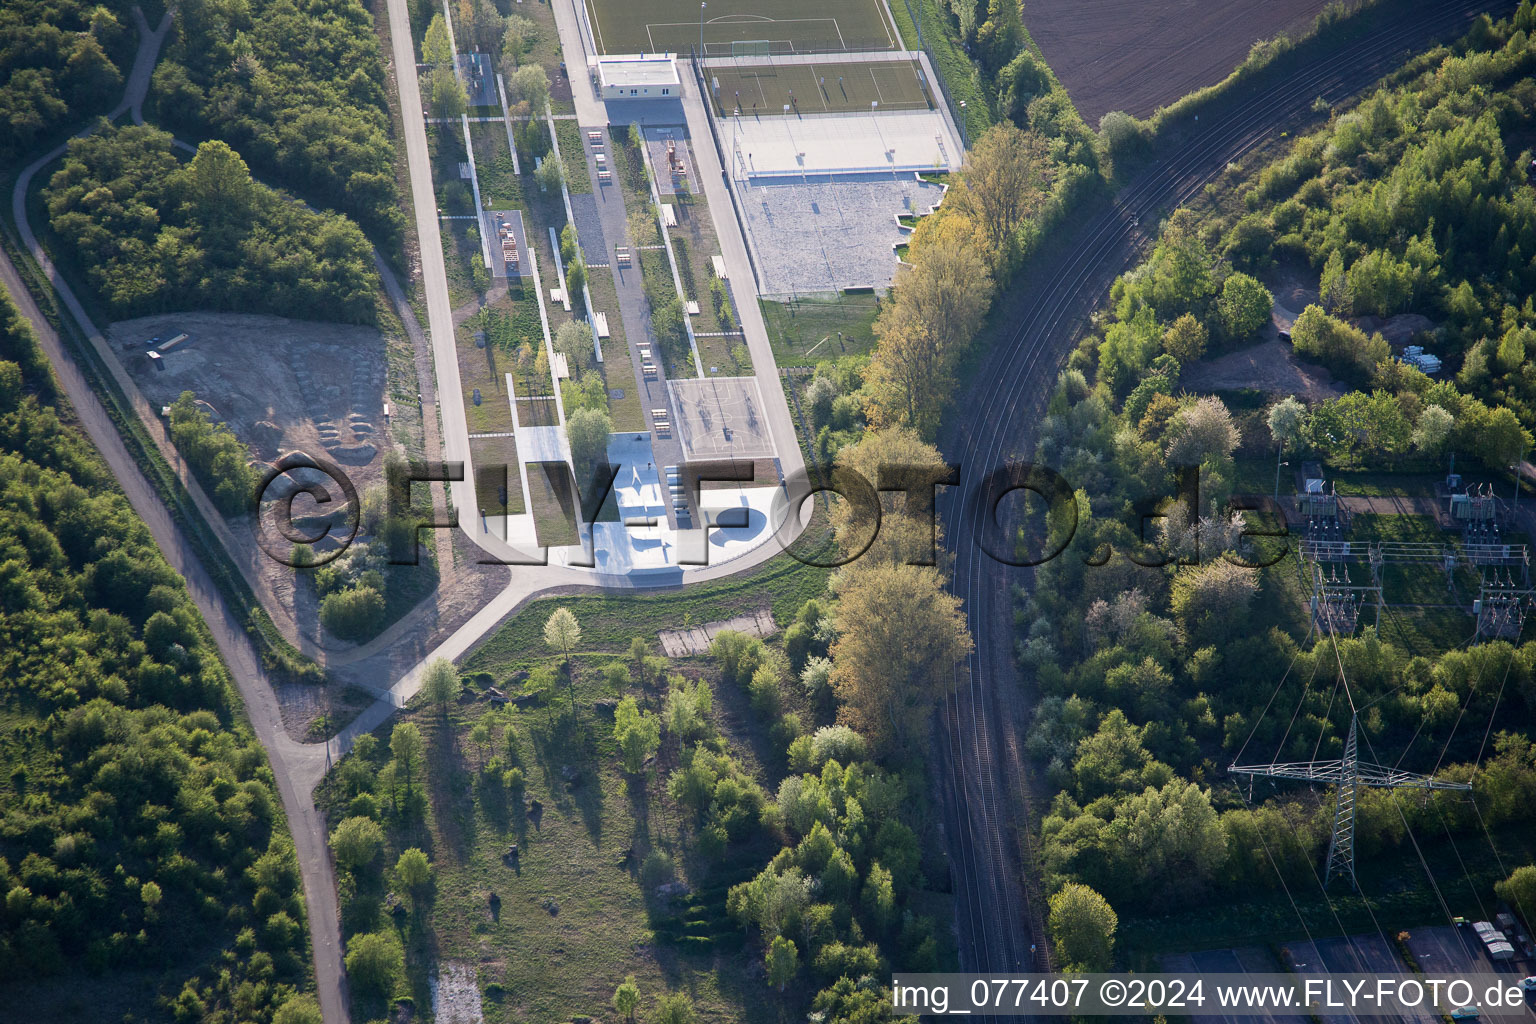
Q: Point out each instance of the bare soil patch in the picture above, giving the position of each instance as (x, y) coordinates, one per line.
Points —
(279, 384)
(1136, 56)
(1270, 366)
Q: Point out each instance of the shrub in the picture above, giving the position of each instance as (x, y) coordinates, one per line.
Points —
(375, 962)
(656, 869)
(764, 691)
(357, 843)
(353, 614)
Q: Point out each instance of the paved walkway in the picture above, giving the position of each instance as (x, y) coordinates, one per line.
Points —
(708, 176)
(684, 643)
(606, 206)
(295, 777)
(298, 767)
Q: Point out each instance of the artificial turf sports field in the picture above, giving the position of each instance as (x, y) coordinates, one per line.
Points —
(782, 26)
(756, 87)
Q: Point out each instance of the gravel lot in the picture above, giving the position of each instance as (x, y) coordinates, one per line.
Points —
(822, 236)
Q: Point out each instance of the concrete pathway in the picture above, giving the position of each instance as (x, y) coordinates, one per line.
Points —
(297, 766)
(295, 780)
(708, 172)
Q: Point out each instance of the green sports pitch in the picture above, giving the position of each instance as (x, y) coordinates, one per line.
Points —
(734, 26)
(759, 87)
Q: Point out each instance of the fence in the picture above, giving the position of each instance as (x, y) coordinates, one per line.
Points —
(714, 134)
(933, 63)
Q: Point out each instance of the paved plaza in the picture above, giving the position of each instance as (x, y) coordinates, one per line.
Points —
(777, 146)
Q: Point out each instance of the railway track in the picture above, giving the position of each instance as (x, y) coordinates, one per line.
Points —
(999, 908)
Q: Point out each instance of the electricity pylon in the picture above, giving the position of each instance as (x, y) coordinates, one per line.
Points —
(1348, 773)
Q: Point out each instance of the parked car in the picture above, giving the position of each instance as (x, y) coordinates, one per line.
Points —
(1529, 984)
(1466, 1013)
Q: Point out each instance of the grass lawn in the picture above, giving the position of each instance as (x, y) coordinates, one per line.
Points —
(619, 375)
(495, 462)
(571, 917)
(808, 330)
(510, 322)
(676, 359)
(573, 152)
(545, 49)
(446, 142)
(483, 369)
(608, 623)
(627, 413)
(554, 505)
(572, 922)
(693, 243)
(542, 211)
(650, 26)
(499, 184)
(795, 385)
(461, 258)
(941, 32)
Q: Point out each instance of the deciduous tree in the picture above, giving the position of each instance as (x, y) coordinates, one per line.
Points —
(440, 684)
(529, 84)
(626, 998)
(587, 432)
(637, 733)
(357, 843)
(1202, 432)
(563, 633)
(1286, 419)
(675, 1008)
(1003, 180)
(1185, 339)
(1244, 306)
(782, 961)
(900, 636)
(413, 869)
(375, 962)
(574, 341)
(1083, 927)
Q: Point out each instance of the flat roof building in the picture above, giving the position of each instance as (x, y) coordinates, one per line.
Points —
(639, 76)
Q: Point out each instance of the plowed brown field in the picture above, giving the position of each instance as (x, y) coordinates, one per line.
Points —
(1138, 55)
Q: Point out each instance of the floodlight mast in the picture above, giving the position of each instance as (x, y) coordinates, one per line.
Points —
(1348, 773)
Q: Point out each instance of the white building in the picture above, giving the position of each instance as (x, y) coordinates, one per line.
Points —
(650, 76)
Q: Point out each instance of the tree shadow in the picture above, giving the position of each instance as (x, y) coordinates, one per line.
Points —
(745, 730)
(421, 948)
(450, 788)
(563, 751)
(495, 802)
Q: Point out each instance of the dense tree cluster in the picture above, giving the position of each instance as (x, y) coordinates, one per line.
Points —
(1152, 678)
(60, 62)
(297, 86)
(836, 902)
(151, 234)
(139, 826)
(926, 326)
(219, 461)
(1418, 201)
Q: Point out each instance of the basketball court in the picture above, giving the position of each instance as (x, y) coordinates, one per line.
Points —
(723, 26)
(721, 418)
